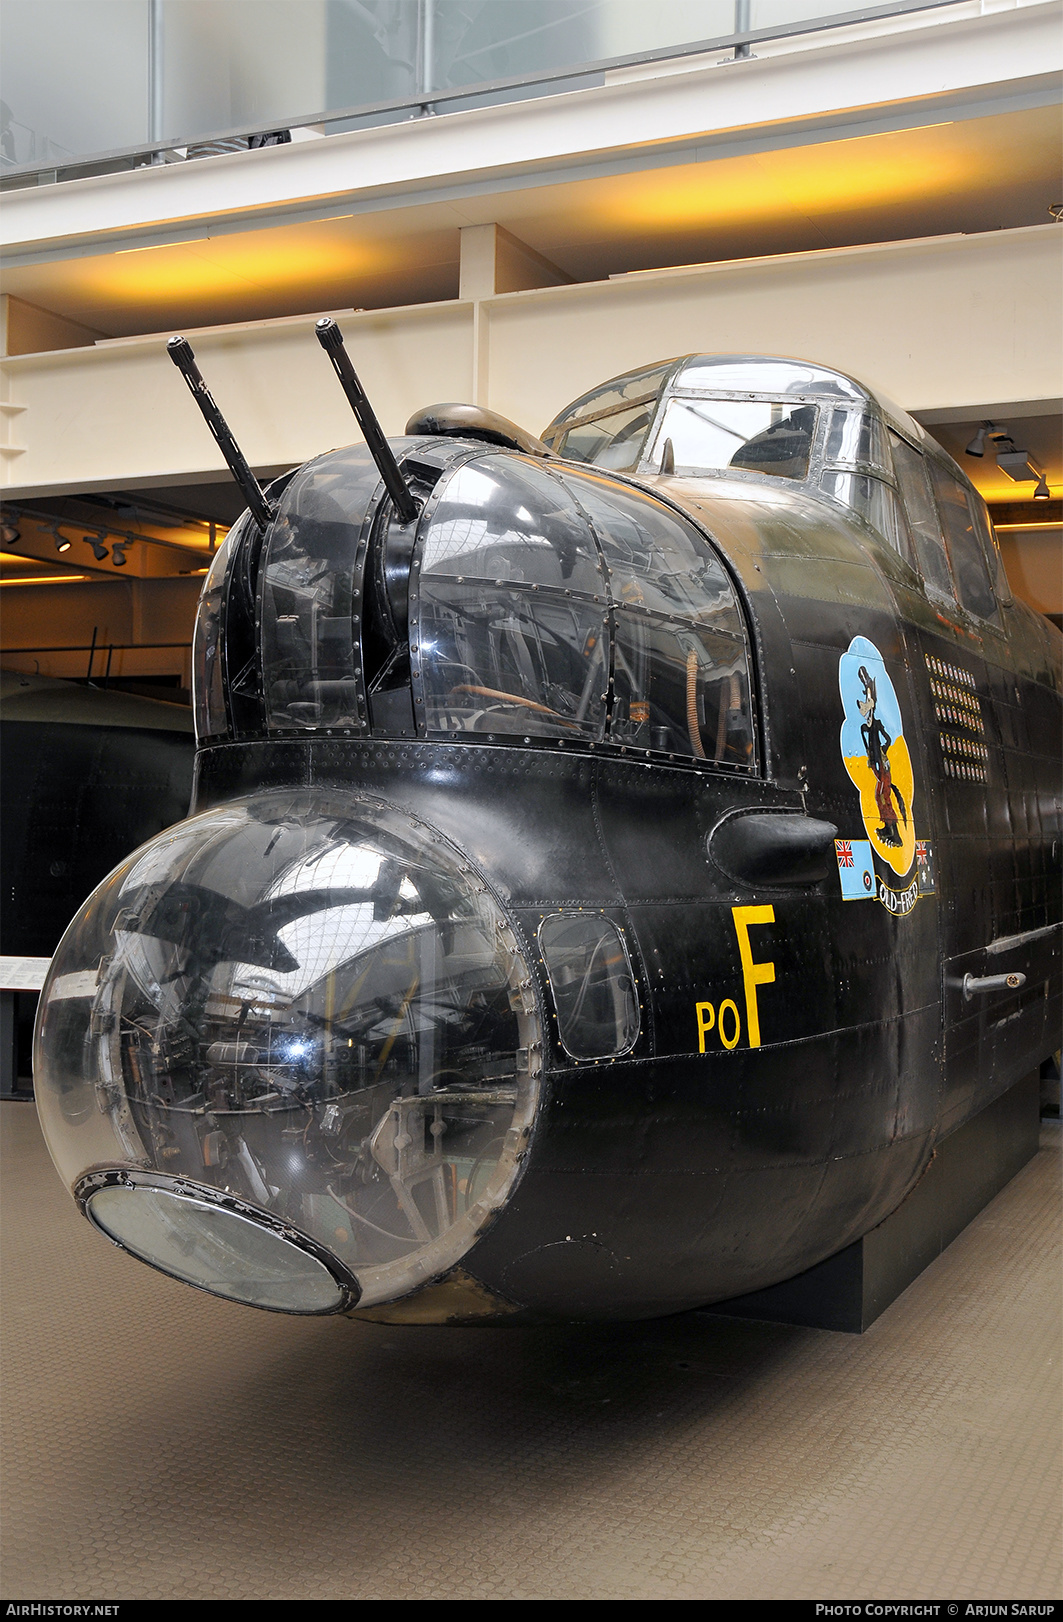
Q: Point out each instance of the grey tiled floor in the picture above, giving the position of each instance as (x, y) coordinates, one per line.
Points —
(161, 1444)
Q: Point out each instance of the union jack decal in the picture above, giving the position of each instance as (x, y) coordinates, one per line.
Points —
(920, 852)
(845, 852)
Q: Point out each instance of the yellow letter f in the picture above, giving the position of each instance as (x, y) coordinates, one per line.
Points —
(753, 974)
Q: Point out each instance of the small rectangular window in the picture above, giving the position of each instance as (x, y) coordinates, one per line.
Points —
(593, 984)
(856, 436)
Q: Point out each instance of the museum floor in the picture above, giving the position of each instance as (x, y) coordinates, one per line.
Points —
(162, 1444)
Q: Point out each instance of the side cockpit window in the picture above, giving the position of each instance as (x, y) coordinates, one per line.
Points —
(858, 474)
(952, 533)
(857, 438)
(990, 545)
(914, 480)
(592, 983)
(965, 545)
(876, 502)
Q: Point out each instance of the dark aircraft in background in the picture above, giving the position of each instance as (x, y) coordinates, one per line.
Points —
(619, 859)
(86, 775)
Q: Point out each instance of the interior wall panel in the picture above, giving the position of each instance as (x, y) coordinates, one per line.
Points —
(118, 414)
(933, 323)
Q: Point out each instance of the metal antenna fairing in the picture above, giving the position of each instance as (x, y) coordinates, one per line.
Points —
(331, 340)
(262, 509)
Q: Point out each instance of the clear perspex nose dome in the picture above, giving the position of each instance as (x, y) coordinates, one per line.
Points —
(290, 1042)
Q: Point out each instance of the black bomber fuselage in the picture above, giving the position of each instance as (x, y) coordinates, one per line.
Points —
(801, 845)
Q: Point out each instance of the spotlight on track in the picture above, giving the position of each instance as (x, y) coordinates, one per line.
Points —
(99, 551)
(62, 544)
(118, 555)
(977, 445)
(10, 533)
(1042, 493)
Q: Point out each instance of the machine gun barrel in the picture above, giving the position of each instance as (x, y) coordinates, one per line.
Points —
(331, 340)
(180, 352)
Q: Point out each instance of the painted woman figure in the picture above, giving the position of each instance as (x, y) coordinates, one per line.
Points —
(876, 742)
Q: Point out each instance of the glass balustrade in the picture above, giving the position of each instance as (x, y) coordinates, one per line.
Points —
(118, 83)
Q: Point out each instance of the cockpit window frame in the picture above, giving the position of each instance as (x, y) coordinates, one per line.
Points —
(650, 460)
(561, 424)
(609, 411)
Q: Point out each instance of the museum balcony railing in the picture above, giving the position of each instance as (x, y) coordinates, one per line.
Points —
(130, 86)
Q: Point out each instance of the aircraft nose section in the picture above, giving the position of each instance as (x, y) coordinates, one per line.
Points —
(289, 1052)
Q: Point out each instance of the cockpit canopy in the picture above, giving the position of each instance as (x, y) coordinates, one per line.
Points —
(707, 414)
(753, 418)
(760, 419)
